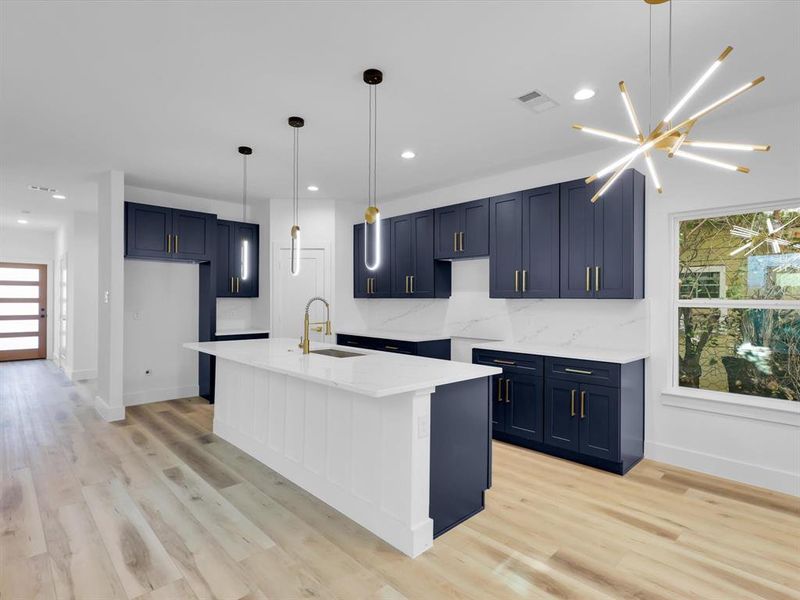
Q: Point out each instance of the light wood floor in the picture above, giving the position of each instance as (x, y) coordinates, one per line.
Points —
(157, 507)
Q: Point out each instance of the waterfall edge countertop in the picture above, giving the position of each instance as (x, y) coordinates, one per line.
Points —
(375, 374)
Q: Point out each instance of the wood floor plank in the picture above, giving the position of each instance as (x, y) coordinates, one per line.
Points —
(172, 511)
(140, 560)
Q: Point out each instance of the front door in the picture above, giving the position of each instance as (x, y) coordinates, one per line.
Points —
(23, 311)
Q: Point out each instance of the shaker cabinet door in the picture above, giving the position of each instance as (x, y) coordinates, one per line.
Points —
(561, 420)
(448, 229)
(577, 240)
(524, 407)
(225, 284)
(540, 245)
(474, 238)
(505, 255)
(599, 412)
(402, 255)
(194, 235)
(148, 231)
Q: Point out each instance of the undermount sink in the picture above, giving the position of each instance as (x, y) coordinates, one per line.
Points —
(337, 353)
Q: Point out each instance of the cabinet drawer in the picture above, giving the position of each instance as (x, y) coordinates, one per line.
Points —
(509, 361)
(584, 371)
(356, 341)
(395, 346)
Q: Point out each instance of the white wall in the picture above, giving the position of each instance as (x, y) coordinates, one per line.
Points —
(161, 306)
(33, 246)
(745, 448)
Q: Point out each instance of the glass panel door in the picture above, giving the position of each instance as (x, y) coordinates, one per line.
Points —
(23, 311)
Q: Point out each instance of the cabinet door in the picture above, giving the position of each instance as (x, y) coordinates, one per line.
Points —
(577, 240)
(193, 235)
(448, 228)
(561, 426)
(402, 255)
(613, 275)
(147, 231)
(245, 259)
(505, 252)
(540, 242)
(225, 285)
(424, 282)
(361, 283)
(498, 404)
(475, 229)
(524, 407)
(599, 421)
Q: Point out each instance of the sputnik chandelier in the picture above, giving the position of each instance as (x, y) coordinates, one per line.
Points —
(667, 137)
(755, 239)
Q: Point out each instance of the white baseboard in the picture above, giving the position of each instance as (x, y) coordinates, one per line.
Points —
(81, 374)
(108, 413)
(773, 479)
(159, 395)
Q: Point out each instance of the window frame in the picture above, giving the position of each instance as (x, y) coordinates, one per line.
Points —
(713, 400)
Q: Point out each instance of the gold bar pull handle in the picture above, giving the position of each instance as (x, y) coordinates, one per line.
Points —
(572, 404)
(499, 389)
(500, 361)
(508, 394)
(588, 278)
(524, 280)
(237, 285)
(412, 284)
(516, 281)
(406, 284)
(368, 280)
(391, 348)
(231, 285)
(581, 371)
(169, 243)
(176, 243)
(455, 241)
(461, 241)
(597, 279)
(583, 404)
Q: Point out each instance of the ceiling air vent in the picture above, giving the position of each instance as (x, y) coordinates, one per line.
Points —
(537, 101)
(41, 188)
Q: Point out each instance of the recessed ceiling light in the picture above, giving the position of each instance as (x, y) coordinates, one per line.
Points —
(584, 94)
(59, 197)
(22, 221)
(408, 154)
(312, 188)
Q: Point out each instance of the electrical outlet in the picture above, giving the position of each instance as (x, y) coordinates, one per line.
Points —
(423, 426)
(148, 372)
(137, 316)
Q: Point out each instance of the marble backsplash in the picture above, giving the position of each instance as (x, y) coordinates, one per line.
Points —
(470, 313)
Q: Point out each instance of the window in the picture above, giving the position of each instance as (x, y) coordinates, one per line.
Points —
(738, 304)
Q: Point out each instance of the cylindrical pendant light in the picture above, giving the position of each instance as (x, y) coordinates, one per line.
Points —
(244, 248)
(294, 261)
(372, 216)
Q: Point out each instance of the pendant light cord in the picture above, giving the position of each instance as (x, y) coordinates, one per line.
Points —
(669, 63)
(244, 187)
(372, 169)
(295, 175)
(650, 70)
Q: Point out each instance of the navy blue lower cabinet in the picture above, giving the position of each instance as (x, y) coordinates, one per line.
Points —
(429, 348)
(561, 420)
(587, 411)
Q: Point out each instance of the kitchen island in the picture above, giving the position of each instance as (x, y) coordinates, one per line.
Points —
(399, 444)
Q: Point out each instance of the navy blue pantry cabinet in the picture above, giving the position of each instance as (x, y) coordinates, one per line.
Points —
(524, 244)
(156, 232)
(602, 244)
(462, 230)
(237, 259)
(371, 283)
(414, 273)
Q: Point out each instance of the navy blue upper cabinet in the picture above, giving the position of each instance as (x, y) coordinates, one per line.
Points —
(237, 259)
(523, 261)
(371, 283)
(413, 271)
(602, 244)
(462, 230)
(168, 233)
(505, 252)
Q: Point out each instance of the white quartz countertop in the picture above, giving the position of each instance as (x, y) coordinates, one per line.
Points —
(598, 354)
(241, 331)
(386, 334)
(375, 374)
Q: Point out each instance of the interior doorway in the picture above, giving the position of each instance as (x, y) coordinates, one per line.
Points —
(23, 311)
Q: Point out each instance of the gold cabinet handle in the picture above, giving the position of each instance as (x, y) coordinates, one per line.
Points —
(237, 285)
(391, 348)
(588, 277)
(461, 241)
(176, 243)
(231, 285)
(524, 280)
(597, 279)
(169, 243)
(500, 389)
(583, 404)
(412, 284)
(500, 361)
(581, 371)
(508, 396)
(368, 279)
(406, 284)
(371, 285)
(455, 241)
(572, 404)
(516, 281)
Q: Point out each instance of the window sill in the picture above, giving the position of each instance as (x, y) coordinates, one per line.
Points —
(737, 405)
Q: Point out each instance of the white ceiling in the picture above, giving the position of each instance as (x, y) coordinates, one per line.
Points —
(167, 91)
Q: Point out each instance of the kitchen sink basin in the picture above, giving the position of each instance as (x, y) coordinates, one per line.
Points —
(336, 353)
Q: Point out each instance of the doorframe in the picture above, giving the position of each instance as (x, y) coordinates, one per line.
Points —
(48, 262)
(328, 287)
(44, 290)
